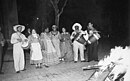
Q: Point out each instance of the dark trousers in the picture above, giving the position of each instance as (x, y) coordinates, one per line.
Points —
(93, 51)
(1, 49)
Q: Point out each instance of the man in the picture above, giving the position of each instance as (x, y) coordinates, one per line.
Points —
(77, 45)
(17, 39)
(93, 46)
(1, 49)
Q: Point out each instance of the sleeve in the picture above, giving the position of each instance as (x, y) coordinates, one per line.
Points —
(24, 37)
(13, 39)
(30, 39)
(72, 35)
(86, 35)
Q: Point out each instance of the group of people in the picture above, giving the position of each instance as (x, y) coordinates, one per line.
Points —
(52, 47)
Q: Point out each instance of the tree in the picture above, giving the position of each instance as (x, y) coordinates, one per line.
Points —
(58, 12)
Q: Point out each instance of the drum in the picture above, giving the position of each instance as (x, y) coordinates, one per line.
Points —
(82, 39)
(93, 38)
(25, 45)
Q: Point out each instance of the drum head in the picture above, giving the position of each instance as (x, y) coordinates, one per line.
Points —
(25, 45)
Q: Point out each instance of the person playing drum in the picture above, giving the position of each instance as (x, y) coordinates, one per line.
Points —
(79, 38)
(17, 39)
(93, 43)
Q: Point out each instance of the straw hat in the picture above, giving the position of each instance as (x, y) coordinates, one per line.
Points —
(16, 26)
(77, 24)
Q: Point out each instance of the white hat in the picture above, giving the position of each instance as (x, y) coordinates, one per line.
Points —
(77, 24)
(16, 26)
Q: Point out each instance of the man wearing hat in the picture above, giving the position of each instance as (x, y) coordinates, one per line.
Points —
(17, 39)
(76, 44)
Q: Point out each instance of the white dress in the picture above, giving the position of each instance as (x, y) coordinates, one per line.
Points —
(36, 53)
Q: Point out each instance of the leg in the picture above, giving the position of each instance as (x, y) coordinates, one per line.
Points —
(95, 51)
(31, 61)
(90, 52)
(16, 60)
(81, 48)
(75, 48)
(22, 60)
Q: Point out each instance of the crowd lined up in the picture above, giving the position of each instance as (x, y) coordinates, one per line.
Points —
(52, 47)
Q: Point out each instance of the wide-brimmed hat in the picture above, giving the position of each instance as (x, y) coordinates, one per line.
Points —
(16, 26)
(77, 24)
(54, 26)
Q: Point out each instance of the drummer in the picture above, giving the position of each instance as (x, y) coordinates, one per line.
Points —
(18, 54)
(77, 45)
(92, 47)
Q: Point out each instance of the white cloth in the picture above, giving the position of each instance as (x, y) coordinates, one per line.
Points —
(36, 51)
(18, 53)
(82, 32)
(78, 46)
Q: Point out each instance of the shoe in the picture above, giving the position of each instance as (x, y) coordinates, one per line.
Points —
(17, 71)
(75, 61)
(46, 66)
(23, 70)
(83, 61)
(1, 72)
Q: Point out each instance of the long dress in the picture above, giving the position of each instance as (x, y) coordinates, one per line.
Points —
(56, 42)
(66, 47)
(50, 56)
(36, 53)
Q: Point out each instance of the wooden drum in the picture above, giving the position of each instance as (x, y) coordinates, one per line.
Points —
(82, 39)
(25, 45)
(93, 38)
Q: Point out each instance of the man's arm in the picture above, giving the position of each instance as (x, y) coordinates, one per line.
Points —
(14, 40)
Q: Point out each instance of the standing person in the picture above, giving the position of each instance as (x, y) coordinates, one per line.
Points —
(28, 34)
(17, 39)
(66, 46)
(56, 40)
(93, 47)
(2, 40)
(35, 48)
(77, 45)
(50, 56)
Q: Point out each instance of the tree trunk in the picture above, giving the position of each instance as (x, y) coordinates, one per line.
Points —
(57, 17)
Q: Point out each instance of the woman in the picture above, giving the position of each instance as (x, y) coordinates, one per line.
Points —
(56, 40)
(36, 53)
(50, 56)
(66, 46)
